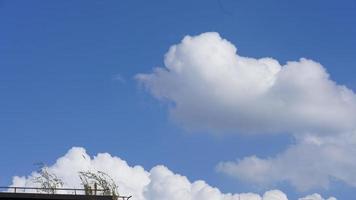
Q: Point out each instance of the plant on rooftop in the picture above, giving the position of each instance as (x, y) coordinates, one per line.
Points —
(48, 181)
(92, 181)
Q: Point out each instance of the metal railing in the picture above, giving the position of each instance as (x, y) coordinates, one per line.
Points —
(54, 191)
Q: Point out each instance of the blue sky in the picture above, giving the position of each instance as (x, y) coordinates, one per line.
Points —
(59, 63)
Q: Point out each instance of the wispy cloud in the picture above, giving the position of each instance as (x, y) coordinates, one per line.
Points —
(119, 77)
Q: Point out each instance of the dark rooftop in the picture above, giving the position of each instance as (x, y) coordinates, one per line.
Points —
(29, 193)
(28, 196)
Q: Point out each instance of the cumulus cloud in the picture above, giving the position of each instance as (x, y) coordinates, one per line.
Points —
(131, 180)
(157, 184)
(211, 87)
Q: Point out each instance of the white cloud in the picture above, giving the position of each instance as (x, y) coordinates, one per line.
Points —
(157, 184)
(211, 87)
(311, 163)
(131, 180)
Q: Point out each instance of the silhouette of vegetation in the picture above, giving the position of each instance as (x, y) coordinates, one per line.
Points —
(48, 181)
(92, 181)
